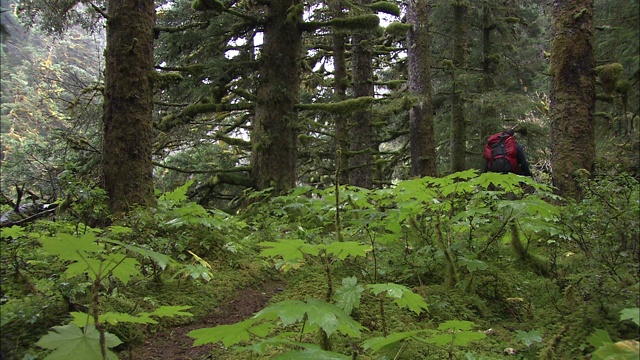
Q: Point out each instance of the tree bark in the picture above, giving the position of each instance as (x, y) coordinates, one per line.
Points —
(275, 126)
(458, 121)
(361, 129)
(128, 103)
(340, 91)
(572, 93)
(421, 131)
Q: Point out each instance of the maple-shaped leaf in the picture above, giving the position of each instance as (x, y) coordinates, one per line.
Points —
(13, 232)
(528, 338)
(69, 342)
(456, 325)
(171, 311)
(348, 296)
(599, 338)
(160, 259)
(460, 338)
(622, 350)
(401, 295)
(122, 267)
(378, 343)
(312, 354)
(291, 250)
(348, 248)
(70, 247)
(328, 317)
(114, 318)
(473, 264)
(177, 195)
(630, 314)
(229, 335)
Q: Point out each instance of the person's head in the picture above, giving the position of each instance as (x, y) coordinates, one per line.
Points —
(510, 131)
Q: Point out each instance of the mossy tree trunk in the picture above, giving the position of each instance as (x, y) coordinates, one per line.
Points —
(340, 90)
(128, 103)
(421, 131)
(572, 93)
(488, 111)
(458, 122)
(275, 126)
(361, 128)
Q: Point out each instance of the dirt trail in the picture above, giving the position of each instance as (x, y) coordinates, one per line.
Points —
(174, 344)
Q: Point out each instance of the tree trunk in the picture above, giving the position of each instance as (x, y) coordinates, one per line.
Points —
(458, 124)
(421, 131)
(128, 103)
(275, 125)
(340, 91)
(572, 93)
(488, 111)
(361, 129)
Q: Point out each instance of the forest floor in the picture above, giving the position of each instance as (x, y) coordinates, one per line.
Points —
(173, 343)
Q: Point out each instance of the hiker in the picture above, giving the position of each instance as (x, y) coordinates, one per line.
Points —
(503, 154)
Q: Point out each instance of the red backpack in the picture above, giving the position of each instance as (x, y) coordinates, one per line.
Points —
(500, 153)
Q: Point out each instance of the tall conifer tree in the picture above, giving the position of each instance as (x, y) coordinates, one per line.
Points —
(572, 93)
(128, 102)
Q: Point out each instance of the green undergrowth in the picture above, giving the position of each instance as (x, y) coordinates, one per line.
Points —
(467, 266)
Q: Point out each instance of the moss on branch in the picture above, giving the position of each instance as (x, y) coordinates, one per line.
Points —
(341, 107)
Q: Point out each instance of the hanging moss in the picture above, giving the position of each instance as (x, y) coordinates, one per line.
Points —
(204, 5)
(385, 7)
(397, 28)
(609, 75)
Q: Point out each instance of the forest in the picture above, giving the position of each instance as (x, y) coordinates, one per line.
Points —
(279, 179)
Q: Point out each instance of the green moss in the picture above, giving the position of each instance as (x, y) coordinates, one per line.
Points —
(341, 107)
(362, 22)
(511, 20)
(397, 28)
(385, 7)
(204, 5)
(609, 75)
(623, 86)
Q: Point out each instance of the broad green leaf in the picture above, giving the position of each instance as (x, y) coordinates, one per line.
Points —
(119, 230)
(70, 247)
(599, 338)
(81, 319)
(229, 335)
(13, 232)
(630, 314)
(69, 342)
(114, 318)
(412, 301)
(328, 317)
(288, 249)
(473, 264)
(171, 311)
(456, 325)
(121, 267)
(348, 296)
(349, 248)
(179, 194)
(528, 338)
(378, 343)
(161, 259)
(402, 296)
(316, 354)
(622, 350)
(460, 338)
